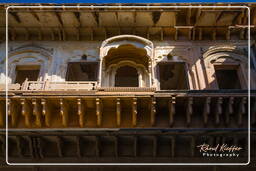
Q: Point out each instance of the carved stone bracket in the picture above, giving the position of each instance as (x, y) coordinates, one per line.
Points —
(26, 112)
(153, 111)
(37, 112)
(12, 112)
(64, 112)
(99, 111)
(81, 112)
(118, 112)
(46, 112)
(134, 112)
(171, 106)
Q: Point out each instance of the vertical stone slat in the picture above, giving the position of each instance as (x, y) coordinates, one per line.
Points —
(116, 146)
(30, 146)
(97, 146)
(59, 142)
(38, 144)
(173, 147)
(155, 146)
(78, 147)
(19, 146)
(135, 144)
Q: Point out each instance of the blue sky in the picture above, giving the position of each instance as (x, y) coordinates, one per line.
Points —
(119, 1)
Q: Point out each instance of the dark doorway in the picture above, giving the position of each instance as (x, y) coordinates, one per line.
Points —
(172, 76)
(82, 71)
(227, 78)
(27, 72)
(126, 76)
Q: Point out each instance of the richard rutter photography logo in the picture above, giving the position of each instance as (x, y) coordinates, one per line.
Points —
(219, 150)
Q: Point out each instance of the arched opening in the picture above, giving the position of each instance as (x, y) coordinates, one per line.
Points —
(126, 76)
(126, 61)
(226, 66)
(31, 63)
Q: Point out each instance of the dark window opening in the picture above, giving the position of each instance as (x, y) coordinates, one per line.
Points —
(227, 78)
(126, 76)
(82, 71)
(27, 72)
(172, 76)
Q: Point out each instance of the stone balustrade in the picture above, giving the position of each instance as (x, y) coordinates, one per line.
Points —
(97, 109)
(51, 86)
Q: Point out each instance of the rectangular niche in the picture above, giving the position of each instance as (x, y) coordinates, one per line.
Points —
(172, 76)
(30, 72)
(82, 71)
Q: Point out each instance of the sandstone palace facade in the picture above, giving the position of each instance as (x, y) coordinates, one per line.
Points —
(126, 85)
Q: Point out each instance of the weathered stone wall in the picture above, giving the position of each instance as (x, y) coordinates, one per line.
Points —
(53, 57)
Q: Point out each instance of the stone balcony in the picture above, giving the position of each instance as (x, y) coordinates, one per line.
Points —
(84, 105)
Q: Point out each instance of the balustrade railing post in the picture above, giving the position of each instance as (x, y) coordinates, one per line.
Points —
(25, 85)
(46, 85)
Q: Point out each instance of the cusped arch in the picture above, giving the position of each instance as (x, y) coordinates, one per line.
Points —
(125, 48)
(224, 54)
(136, 41)
(30, 55)
(46, 53)
(226, 57)
(142, 40)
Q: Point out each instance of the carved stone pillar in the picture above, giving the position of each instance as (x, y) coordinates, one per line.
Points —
(12, 112)
(46, 112)
(171, 106)
(153, 111)
(37, 112)
(134, 112)
(118, 112)
(207, 109)
(64, 112)
(241, 110)
(26, 112)
(98, 111)
(229, 109)
(218, 110)
(80, 112)
(189, 110)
